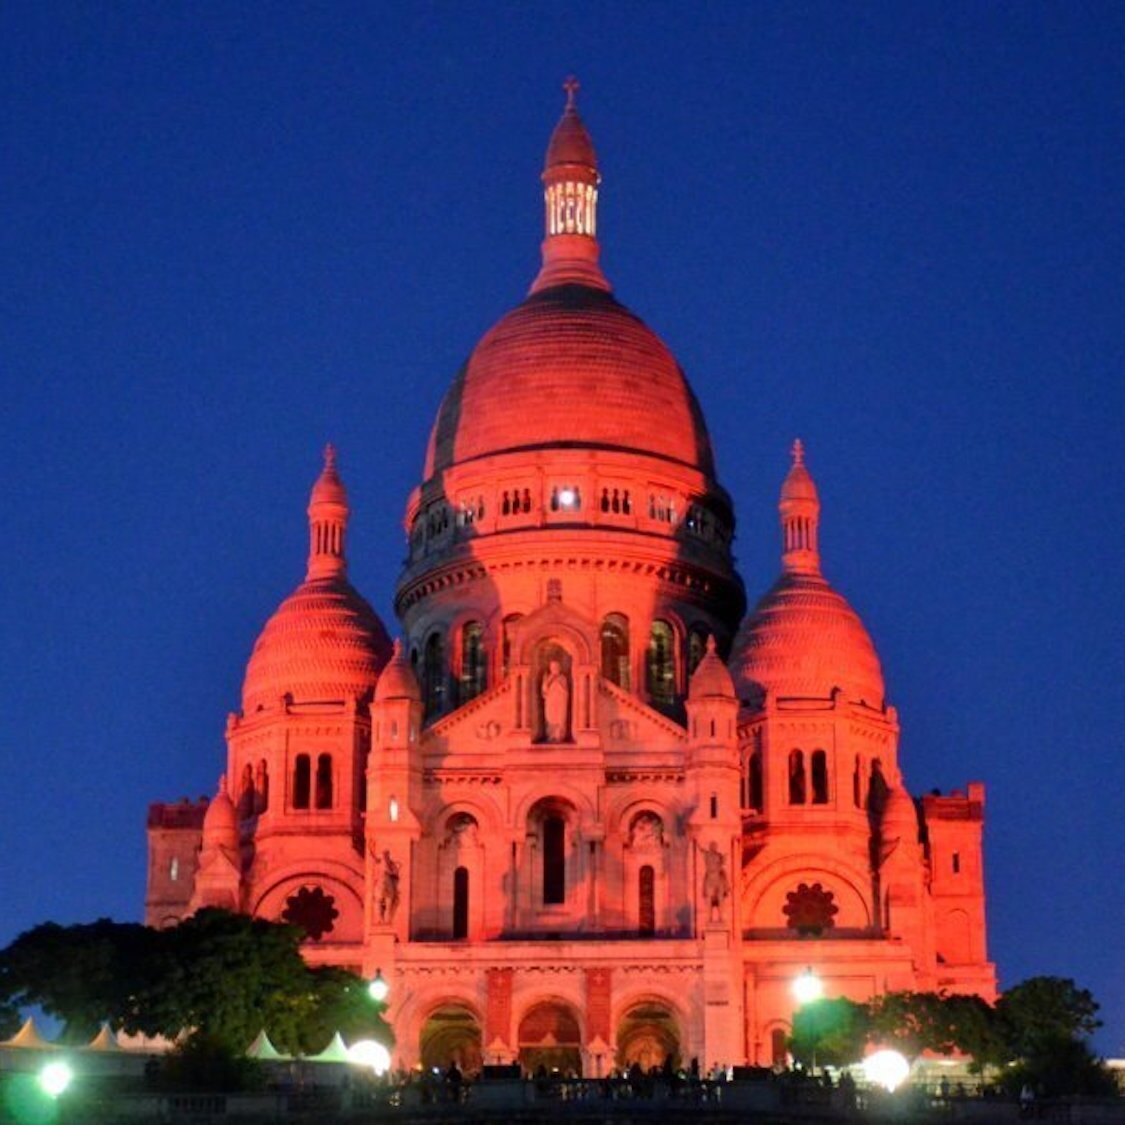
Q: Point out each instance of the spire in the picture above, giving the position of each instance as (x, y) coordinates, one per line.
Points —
(800, 517)
(570, 183)
(328, 520)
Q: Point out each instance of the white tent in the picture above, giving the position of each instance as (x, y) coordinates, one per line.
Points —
(28, 1036)
(105, 1040)
(336, 1051)
(263, 1049)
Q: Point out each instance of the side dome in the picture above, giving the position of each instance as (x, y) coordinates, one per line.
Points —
(220, 821)
(570, 367)
(803, 639)
(324, 642)
(398, 680)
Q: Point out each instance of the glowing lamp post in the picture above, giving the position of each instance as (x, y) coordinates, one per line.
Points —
(807, 989)
(54, 1078)
(378, 988)
(887, 1069)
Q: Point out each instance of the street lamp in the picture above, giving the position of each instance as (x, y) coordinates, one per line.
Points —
(378, 988)
(808, 987)
(55, 1077)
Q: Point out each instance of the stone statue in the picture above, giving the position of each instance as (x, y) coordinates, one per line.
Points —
(716, 885)
(648, 831)
(388, 889)
(555, 691)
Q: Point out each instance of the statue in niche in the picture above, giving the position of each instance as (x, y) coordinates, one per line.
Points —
(388, 889)
(555, 692)
(716, 885)
(461, 832)
(648, 831)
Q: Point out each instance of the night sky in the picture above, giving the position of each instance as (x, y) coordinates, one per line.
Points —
(230, 233)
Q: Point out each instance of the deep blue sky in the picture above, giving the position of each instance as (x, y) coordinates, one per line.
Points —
(229, 233)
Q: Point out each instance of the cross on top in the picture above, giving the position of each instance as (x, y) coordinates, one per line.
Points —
(571, 88)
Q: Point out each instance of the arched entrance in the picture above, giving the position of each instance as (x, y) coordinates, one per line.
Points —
(549, 1037)
(451, 1034)
(648, 1034)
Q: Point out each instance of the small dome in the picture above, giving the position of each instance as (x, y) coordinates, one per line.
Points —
(329, 488)
(570, 367)
(220, 822)
(798, 483)
(398, 680)
(711, 680)
(570, 142)
(804, 640)
(324, 643)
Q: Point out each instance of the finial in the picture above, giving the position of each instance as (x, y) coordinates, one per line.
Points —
(571, 86)
(798, 452)
(330, 456)
(710, 644)
(396, 649)
(222, 785)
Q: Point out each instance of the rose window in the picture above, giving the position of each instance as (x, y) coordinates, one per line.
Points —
(312, 910)
(810, 909)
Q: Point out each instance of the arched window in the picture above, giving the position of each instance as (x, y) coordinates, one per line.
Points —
(554, 860)
(696, 647)
(779, 1046)
(615, 650)
(796, 777)
(754, 785)
(262, 786)
(324, 781)
(472, 661)
(819, 777)
(646, 906)
(660, 666)
(433, 675)
(506, 645)
(857, 782)
(460, 903)
(302, 778)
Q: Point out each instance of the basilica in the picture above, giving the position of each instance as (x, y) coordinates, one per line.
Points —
(588, 811)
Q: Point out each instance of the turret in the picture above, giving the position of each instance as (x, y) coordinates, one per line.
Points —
(570, 196)
(328, 521)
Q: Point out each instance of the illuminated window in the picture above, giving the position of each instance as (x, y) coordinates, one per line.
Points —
(302, 781)
(660, 666)
(615, 649)
(472, 661)
(174, 869)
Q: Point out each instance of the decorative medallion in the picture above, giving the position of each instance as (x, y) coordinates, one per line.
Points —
(312, 910)
(810, 910)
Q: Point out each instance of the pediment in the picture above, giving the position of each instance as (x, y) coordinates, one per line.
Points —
(626, 723)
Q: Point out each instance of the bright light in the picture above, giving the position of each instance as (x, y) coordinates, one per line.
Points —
(368, 1053)
(566, 498)
(378, 988)
(55, 1077)
(886, 1068)
(808, 987)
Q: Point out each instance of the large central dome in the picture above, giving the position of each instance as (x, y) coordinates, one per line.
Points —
(570, 367)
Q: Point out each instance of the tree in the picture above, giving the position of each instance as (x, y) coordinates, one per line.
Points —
(1045, 1023)
(829, 1032)
(225, 976)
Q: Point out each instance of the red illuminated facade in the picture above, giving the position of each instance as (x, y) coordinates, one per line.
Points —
(589, 810)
